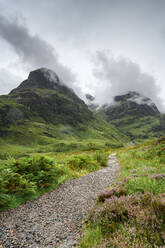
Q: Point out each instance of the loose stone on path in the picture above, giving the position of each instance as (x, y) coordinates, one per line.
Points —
(54, 220)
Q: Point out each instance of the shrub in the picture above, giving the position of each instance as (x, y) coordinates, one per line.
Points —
(7, 200)
(111, 193)
(129, 221)
(133, 213)
(26, 177)
(40, 170)
(101, 158)
(80, 161)
(113, 145)
(90, 163)
(92, 146)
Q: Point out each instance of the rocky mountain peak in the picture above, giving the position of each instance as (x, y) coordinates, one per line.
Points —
(135, 115)
(131, 103)
(136, 97)
(42, 78)
(89, 97)
(90, 101)
(42, 96)
(45, 75)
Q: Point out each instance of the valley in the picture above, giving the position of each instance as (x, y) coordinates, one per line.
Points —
(50, 138)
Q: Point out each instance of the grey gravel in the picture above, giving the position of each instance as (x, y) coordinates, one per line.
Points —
(55, 219)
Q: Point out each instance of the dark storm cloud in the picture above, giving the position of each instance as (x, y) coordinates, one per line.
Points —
(81, 15)
(32, 50)
(119, 75)
(75, 20)
(129, 28)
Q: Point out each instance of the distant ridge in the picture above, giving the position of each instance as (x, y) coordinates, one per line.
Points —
(135, 115)
(133, 104)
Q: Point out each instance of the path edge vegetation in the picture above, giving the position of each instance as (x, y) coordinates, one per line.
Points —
(131, 213)
(28, 177)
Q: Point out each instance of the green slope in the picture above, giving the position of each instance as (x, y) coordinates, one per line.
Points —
(44, 115)
(143, 128)
(136, 116)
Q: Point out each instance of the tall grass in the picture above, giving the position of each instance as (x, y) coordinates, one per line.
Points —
(132, 214)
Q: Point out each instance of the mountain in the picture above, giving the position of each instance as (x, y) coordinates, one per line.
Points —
(135, 115)
(43, 109)
(43, 97)
(90, 102)
(133, 104)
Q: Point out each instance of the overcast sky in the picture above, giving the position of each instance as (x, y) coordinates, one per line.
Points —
(103, 47)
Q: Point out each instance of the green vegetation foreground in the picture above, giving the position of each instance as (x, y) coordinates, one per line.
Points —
(132, 212)
(27, 178)
(55, 218)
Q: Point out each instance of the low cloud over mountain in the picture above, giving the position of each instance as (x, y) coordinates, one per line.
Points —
(119, 75)
(32, 50)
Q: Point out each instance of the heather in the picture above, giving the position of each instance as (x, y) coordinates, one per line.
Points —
(134, 221)
(132, 212)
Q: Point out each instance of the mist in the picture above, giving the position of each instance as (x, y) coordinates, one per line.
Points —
(118, 75)
(33, 52)
(56, 34)
(8, 80)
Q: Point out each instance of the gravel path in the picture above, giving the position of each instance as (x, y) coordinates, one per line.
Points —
(54, 220)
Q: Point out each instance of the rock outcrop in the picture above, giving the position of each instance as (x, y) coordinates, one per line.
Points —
(136, 116)
(44, 97)
(130, 104)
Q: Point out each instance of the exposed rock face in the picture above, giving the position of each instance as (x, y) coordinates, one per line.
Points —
(41, 78)
(133, 104)
(90, 102)
(14, 114)
(10, 112)
(43, 97)
(90, 97)
(136, 116)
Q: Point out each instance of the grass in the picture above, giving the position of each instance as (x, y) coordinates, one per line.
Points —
(132, 212)
(27, 178)
(39, 137)
(145, 128)
(143, 162)
(36, 157)
(75, 150)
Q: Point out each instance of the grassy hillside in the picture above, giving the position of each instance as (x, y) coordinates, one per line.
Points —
(136, 116)
(132, 212)
(37, 156)
(141, 129)
(40, 120)
(39, 137)
(137, 128)
(43, 115)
